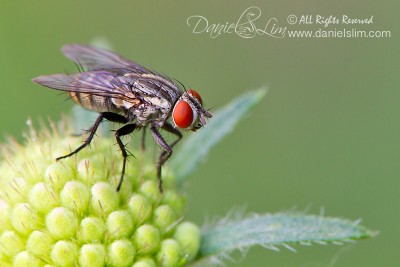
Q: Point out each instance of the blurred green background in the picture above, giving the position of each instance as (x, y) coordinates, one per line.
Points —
(326, 136)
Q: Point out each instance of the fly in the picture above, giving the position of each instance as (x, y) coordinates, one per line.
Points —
(125, 92)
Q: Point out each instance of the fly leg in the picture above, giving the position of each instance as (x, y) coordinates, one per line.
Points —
(115, 117)
(164, 156)
(88, 139)
(124, 130)
(169, 128)
(142, 145)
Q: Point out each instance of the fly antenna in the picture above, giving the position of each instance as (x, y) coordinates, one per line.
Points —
(184, 87)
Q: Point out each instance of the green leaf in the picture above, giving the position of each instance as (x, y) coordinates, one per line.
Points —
(273, 230)
(197, 146)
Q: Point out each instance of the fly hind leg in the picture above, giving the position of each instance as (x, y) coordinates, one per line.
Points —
(114, 117)
(88, 139)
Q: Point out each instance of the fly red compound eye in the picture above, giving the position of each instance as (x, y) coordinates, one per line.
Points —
(196, 95)
(182, 114)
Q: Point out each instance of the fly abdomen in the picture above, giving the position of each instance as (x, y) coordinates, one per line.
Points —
(95, 102)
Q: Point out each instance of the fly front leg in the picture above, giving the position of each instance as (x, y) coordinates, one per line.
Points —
(169, 128)
(125, 130)
(88, 139)
(164, 156)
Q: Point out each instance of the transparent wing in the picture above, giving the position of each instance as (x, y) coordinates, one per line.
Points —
(99, 83)
(95, 58)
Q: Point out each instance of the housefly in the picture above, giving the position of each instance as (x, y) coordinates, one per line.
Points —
(125, 92)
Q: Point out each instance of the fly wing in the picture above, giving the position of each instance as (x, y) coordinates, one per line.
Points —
(95, 58)
(98, 83)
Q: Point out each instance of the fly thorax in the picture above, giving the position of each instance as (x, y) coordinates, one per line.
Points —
(158, 102)
(146, 113)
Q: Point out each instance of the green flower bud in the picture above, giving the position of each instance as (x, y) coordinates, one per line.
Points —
(150, 190)
(91, 171)
(17, 190)
(24, 219)
(92, 255)
(91, 229)
(57, 174)
(4, 216)
(104, 198)
(140, 208)
(188, 236)
(40, 244)
(61, 223)
(11, 243)
(146, 238)
(75, 196)
(145, 262)
(121, 253)
(169, 253)
(68, 213)
(64, 253)
(164, 218)
(25, 258)
(119, 224)
(43, 198)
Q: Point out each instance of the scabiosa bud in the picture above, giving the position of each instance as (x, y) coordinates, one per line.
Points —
(68, 213)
